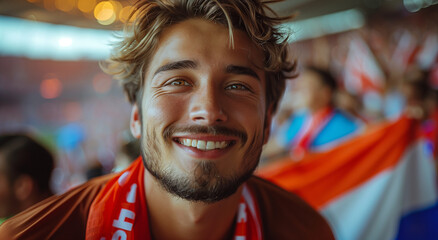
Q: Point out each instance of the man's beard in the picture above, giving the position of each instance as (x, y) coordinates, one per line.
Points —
(205, 184)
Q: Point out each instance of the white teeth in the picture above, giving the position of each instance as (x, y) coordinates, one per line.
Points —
(203, 145)
(210, 145)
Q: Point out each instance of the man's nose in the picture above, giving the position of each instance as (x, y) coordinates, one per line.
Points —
(207, 107)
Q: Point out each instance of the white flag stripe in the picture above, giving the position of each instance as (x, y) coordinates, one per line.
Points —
(374, 209)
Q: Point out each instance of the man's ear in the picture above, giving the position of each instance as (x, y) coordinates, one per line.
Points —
(135, 124)
(23, 187)
(268, 122)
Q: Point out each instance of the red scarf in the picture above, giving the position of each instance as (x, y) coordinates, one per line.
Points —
(120, 212)
(309, 132)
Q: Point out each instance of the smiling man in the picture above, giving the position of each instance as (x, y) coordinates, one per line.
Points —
(204, 78)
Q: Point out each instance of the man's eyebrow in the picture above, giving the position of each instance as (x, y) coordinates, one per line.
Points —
(176, 65)
(234, 69)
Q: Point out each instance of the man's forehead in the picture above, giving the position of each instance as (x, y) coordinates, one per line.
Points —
(180, 38)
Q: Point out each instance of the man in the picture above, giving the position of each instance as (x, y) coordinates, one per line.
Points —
(25, 170)
(204, 78)
(319, 124)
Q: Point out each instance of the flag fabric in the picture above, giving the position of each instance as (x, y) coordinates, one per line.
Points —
(362, 72)
(430, 132)
(406, 51)
(371, 186)
(428, 53)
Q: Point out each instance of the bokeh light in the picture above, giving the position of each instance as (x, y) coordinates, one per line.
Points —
(117, 7)
(65, 5)
(50, 88)
(109, 21)
(417, 5)
(413, 5)
(86, 6)
(104, 13)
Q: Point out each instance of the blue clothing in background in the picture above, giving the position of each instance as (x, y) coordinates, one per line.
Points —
(338, 126)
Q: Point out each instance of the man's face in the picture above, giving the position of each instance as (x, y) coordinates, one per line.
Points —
(203, 111)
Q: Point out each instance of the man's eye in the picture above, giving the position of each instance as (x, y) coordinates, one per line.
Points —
(236, 87)
(179, 82)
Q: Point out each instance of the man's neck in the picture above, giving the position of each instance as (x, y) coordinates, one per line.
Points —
(171, 217)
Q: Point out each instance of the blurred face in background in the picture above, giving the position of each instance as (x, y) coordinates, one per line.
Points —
(315, 94)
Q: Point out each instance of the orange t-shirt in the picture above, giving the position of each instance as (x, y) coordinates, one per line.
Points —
(283, 214)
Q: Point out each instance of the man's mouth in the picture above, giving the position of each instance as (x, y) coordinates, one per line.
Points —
(204, 145)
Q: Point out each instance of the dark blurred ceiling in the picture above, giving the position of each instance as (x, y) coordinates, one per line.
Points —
(45, 10)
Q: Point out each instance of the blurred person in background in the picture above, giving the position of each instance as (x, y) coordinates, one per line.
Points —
(416, 91)
(421, 103)
(25, 170)
(351, 104)
(318, 125)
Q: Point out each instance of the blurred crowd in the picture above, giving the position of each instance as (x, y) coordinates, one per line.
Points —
(351, 81)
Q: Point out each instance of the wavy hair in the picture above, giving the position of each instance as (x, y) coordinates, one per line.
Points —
(130, 58)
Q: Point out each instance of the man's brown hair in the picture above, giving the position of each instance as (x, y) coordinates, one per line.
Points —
(132, 55)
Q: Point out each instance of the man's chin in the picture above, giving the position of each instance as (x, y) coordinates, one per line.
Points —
(205, 185)
(201, 189)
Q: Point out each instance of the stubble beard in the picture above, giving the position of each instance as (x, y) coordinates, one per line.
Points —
(206, 183)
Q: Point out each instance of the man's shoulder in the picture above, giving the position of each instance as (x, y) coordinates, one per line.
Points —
(284, 215)
(58, 217)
